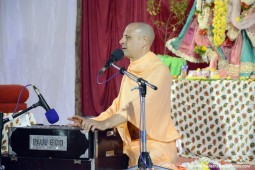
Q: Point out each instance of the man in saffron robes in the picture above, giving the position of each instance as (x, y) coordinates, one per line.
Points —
(161, 133)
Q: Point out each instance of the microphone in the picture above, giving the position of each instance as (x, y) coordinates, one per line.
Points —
(51, 114)
(116, 55)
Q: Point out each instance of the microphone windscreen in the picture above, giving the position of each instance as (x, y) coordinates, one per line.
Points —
(117, 54)
(52, 116)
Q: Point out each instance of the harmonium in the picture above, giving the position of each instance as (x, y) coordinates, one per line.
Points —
(64, 147)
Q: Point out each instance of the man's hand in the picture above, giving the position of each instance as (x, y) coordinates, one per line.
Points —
(77, 121)
(87, 124)
(90, 124)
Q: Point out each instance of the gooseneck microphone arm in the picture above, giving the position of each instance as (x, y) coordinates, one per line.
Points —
(20, 113)
(51, 114)
(41, 99)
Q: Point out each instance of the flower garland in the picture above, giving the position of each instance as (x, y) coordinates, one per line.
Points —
(199, 5)
(200, 50)
(205, 163)
(219, 22)
(203, 12)
(203, 18)
(248, 2)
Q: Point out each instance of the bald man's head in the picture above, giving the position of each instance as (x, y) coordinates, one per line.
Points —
(144, 30)
(137, 40)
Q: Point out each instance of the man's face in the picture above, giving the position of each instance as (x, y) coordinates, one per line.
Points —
(131, 43)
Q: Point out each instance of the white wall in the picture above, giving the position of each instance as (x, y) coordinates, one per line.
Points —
(37, 46)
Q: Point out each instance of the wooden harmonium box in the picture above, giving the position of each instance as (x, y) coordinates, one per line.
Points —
(63, 142)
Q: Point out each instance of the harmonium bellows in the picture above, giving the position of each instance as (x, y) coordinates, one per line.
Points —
(63, 142)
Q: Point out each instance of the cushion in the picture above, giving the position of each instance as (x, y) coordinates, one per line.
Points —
(9, 107)
(9, 93)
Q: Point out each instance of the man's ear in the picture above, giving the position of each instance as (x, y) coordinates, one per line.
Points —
(145, 40)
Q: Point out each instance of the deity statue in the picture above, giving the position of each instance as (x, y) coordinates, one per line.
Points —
(221, 33)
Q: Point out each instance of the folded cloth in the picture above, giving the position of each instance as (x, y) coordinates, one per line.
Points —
(173, 63)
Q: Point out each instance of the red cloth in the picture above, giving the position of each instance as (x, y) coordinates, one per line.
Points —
(9, 94)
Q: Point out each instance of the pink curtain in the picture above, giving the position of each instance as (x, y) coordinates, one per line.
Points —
(102, 25)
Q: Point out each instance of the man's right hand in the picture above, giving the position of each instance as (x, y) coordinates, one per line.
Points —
(77, 121)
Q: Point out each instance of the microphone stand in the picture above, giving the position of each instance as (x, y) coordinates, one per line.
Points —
(144, 161)
(22, 112)
(3, 121)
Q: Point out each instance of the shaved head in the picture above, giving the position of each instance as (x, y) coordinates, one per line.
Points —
(137, 40)
(144, 30)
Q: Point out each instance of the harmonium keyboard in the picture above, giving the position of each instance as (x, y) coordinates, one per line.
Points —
(63, 142)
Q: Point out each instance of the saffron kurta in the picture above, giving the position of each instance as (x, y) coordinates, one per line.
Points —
(161, 133)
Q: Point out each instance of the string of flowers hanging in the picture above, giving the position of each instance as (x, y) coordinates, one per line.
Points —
(219, 22)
